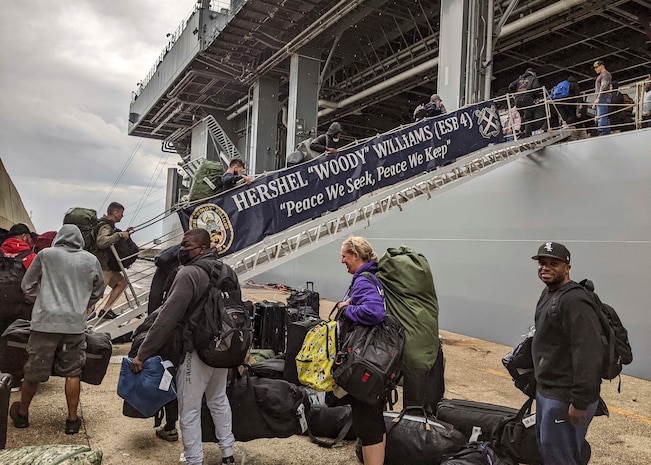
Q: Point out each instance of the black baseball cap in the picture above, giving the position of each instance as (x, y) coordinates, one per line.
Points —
(553, 250)
(18, 230)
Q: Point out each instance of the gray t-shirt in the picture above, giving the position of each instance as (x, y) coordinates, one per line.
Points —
(602, 85)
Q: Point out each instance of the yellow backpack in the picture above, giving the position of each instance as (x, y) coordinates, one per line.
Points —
(317, 356)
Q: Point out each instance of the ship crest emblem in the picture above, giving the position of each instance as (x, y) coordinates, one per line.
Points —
(488, 121)
(214, 220)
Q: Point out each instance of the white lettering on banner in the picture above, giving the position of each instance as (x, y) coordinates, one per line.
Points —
(445, 126)
(357, 183)
(341, 163)
(271, 190)
(292, 206)
(432, 153)
(334, 191)
(391, 170)
(415, 159)
(402, 141)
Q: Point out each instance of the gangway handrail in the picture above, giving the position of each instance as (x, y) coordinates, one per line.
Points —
(308, 235)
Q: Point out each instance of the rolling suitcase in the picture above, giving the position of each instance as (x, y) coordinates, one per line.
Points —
(270, 325)
(305, 298)
(296, 332)
(5, 393)
(467, 415)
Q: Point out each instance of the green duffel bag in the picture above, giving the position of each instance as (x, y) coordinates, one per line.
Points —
(54, 454)
(208, 180)
(86, 220)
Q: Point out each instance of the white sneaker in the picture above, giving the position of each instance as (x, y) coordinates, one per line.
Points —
(182, 457)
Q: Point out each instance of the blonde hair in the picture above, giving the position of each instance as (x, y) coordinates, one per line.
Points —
(360, 246)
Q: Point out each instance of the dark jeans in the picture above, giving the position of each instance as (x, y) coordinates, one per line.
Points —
(560, 442)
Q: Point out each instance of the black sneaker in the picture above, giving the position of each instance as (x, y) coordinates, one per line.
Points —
(72, 426)
(20, 421)
(165, 435)
(229, 459)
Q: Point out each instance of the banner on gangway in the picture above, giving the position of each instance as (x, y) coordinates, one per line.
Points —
(275, 202)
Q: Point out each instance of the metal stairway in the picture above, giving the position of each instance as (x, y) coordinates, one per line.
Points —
(305, 237)
(226, 148)
(308, 236)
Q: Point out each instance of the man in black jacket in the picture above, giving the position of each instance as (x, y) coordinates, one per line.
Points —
(234, 174)
(567, 357)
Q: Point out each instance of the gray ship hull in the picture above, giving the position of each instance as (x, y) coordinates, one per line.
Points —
(592, 195)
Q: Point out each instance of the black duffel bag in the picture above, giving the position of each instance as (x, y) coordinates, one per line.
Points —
(325, 421)
(518, 440)
(98, 355)
(271, 368)
(13, 349)
(127, 251)
(417, 439)
(478, 453)
(469, 416)
(262, 408)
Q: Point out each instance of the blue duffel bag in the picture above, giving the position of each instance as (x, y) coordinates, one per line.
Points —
(150, 389)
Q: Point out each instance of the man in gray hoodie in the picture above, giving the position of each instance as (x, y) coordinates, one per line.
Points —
(65, 280)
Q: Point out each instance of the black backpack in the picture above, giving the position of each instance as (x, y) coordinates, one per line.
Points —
(617, 349)
(11, 275)
(368, 363)
(221, 327)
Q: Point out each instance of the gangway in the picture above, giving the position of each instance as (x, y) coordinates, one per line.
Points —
(309, 235)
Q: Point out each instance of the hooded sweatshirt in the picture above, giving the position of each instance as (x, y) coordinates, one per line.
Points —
(13, 246)
(66, 280)
(366, 303)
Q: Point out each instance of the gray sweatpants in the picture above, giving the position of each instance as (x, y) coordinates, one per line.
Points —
(193, 379)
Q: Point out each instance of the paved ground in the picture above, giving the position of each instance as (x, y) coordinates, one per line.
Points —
(474, 371)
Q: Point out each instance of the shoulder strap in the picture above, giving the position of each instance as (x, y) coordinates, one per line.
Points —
(329, 444)
(22, 255)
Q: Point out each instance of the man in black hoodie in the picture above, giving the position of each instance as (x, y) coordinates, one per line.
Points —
(567, 356)
(330, 141)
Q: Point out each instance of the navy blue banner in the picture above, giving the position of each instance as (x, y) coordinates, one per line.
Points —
(272, 203)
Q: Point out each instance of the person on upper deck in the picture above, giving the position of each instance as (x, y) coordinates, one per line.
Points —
(330, 141)
(234, 175)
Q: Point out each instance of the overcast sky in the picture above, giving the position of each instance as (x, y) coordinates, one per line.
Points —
(67, 70)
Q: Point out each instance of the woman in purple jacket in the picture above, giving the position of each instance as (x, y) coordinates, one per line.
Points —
(364, 304)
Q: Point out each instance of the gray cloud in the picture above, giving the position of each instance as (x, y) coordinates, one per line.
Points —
(67, 73)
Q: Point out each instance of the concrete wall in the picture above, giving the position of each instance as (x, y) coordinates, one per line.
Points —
(12, 210)
(591, 195)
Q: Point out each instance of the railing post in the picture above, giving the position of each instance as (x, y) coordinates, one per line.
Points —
(124, 273)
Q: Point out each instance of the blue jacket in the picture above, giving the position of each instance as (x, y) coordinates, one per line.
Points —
(366, 303)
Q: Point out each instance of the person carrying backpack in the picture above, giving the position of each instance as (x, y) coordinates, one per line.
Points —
(194, 378)
(105, 238)
(19, 239)
(16, 258)
(567, 357)
(363, 304)
(524, 98)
